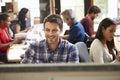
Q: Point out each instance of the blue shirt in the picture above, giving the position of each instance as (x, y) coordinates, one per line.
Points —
(39, 52)
(76, 33)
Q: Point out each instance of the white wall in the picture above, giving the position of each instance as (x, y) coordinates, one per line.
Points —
(112, 8)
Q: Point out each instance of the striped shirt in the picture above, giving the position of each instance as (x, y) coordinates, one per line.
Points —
(39, 52)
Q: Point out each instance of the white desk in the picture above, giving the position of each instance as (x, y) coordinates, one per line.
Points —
(15, 52)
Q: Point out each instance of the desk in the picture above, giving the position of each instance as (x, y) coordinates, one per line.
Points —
(15, 52)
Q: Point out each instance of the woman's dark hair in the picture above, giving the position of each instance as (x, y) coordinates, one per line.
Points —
(21, 18)
(111, 47)
(3, 17)
(54, 18)
(104, 24)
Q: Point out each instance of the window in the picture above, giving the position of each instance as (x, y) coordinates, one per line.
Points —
(119, 8)
(76, 5)
(32, 5)
(107, 10)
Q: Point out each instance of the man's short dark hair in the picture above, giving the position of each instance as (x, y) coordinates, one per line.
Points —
(94, 9)
(55, 19)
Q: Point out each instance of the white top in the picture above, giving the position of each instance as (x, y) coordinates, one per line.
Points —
(99, 54)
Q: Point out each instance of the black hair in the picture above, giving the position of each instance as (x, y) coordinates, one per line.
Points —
(104, 24)
(21, 17)
(3, 17)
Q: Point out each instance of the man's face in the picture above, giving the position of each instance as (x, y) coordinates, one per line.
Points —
(52, 32)
(94, 15)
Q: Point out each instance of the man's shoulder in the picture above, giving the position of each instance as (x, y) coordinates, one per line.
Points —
(96, 42)
(85, 19)
(42, 42)
(38, 43)
(77, 25)
(67, 43)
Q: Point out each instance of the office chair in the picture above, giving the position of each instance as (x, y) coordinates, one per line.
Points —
(83, 52)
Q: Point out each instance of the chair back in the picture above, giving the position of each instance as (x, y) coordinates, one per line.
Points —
(83, 52)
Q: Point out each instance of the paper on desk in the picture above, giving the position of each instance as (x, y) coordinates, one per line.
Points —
(21, 46)
(15, 54)
(21, 35)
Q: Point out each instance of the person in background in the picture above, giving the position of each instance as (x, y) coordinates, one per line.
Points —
(102, 49)
(87, 21)
(53, 49)
(24, 23)
(76, 32)
(5, 39)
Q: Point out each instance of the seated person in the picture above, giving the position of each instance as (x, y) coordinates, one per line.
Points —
(24, 23)
(102, 49)
(5, 39)
(87, 21)
(53, 49)
(76, 32)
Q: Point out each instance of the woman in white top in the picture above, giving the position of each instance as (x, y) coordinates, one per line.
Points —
(102, 49)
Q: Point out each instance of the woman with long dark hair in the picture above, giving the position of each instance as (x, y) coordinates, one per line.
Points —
(24, 23)
(102, 49)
